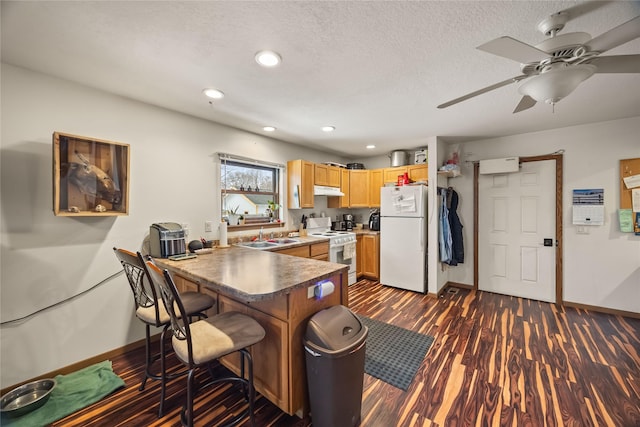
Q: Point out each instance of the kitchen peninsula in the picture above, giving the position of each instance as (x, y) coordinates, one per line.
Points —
(274, 289)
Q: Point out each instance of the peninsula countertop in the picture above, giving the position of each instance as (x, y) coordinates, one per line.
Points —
(249, 274)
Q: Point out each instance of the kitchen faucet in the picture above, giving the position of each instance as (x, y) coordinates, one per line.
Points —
(260, 234)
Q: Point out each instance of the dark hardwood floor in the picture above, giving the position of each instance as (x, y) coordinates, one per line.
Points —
(495, 361)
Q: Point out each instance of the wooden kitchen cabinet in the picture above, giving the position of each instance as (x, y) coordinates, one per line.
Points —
(300, 181)
(391, 174)
(327, 175)
(371, 256)
(342, 201)
(319, 251)
(299, 251)
(358, 255)
(184, 285)
(358, 188)
(270, 356)
(418, 173)
(376, 181)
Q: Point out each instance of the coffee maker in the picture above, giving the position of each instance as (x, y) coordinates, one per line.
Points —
(374, 221)
(348, 221)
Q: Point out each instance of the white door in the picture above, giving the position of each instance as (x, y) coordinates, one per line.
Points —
(516, 215)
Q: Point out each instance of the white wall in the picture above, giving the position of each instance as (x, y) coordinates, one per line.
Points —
(45, 259)
(601, 268)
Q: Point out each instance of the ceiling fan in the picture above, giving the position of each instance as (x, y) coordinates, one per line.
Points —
(554, 68)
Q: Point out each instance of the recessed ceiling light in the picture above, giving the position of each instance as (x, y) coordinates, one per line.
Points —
(213, 93)
(268, 58)
(328, 128)
(268, 129)
(370, 147)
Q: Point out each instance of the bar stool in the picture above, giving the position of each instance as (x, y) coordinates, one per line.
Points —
(204, 341)
(151, 311)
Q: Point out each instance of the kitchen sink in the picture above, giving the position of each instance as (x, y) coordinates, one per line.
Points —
(283, 241)
(271, 243)
(258, 244)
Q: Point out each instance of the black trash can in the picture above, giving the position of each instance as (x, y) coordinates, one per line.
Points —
(335, 344)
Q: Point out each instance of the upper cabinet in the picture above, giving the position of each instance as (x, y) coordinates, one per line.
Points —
(391, 174)
(376, 180)
(418, 173)
(327, 175)
(359, 188)
(342, 201)
(300, 181)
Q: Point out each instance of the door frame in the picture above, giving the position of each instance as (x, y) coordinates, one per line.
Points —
(558, 238)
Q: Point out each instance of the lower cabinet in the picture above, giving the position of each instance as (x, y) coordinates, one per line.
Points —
(368, 256)
(184, 285)
(270, 356)
(358, 255)
(319, 251)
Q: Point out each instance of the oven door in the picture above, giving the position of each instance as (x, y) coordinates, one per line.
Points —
(336, 254)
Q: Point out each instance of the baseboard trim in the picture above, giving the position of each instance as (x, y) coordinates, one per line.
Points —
(595, 308)
(84, 363)
(605, 310)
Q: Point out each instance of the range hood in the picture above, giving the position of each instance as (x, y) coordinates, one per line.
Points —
(321, 190)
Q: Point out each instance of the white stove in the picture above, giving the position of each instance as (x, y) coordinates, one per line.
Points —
(341, 244)
(336, 238)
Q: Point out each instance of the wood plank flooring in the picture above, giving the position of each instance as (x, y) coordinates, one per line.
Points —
(495, 361)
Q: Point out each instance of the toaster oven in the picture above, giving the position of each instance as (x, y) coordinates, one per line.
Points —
(166, 239)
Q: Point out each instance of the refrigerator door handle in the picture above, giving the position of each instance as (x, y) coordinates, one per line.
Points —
(421, 236)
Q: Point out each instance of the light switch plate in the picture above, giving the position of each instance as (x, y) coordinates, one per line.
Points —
(582, 229)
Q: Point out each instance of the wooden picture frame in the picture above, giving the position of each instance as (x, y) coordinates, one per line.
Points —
(90, 176)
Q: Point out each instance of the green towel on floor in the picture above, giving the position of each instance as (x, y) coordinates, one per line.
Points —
(73, 392)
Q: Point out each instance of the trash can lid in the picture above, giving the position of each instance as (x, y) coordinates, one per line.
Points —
(334, 328)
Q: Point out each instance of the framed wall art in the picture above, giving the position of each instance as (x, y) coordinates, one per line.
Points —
(90, 176)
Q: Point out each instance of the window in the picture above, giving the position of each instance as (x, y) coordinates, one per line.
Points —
(249, 191)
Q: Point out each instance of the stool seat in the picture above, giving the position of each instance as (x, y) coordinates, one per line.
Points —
(194, 302)
(217, 336)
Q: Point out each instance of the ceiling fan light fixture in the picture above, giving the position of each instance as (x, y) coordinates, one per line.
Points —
(556, 83)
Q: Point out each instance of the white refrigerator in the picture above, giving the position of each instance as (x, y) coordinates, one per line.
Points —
(403, 237)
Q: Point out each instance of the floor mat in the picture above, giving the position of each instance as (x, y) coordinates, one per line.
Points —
(394, 354)
(72, 392)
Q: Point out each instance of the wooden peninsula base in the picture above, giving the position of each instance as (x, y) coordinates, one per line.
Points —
(277, 291)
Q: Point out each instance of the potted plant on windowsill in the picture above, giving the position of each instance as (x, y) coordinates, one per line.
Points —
(232, 214)
(273, 206)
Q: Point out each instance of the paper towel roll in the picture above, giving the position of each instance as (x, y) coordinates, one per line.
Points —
(223, 233)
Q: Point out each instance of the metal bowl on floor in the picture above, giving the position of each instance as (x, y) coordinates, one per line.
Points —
(27, 397)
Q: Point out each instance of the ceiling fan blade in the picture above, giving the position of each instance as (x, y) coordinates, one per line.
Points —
(617, 64)
(483, 90)
(525, 103)
(510, 48)
(616, 36)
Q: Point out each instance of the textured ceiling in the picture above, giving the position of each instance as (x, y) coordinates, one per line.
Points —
(374, 70)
